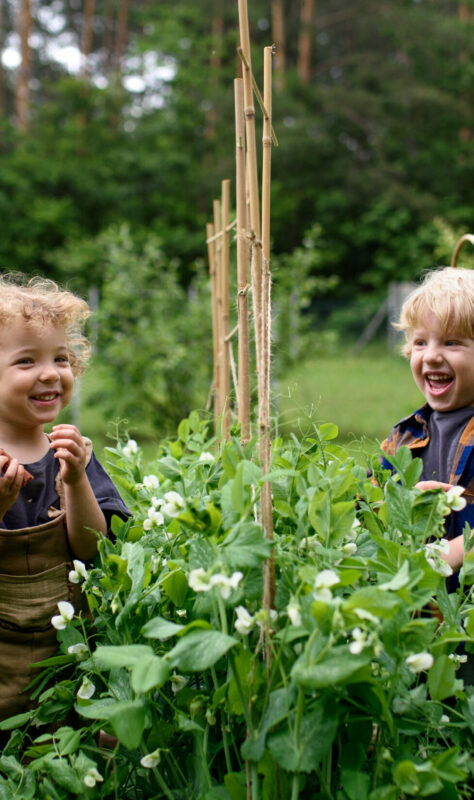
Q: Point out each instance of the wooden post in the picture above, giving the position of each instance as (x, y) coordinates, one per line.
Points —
(215, 344)
(224, 309)
(242, 266)
(87, 34)
(218, 399)
(264, 385)
(252, 177)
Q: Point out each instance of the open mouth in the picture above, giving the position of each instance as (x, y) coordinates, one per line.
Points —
(46, 398)
(438, 383)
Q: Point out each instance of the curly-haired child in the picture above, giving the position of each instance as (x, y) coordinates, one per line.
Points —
(55, 497)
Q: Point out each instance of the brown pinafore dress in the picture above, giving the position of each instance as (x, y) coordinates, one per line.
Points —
(34, 563)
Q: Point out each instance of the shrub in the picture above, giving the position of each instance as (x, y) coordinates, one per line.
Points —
(347, 689)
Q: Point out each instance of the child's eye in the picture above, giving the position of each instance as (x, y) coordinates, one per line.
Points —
(418, 342)
(25, 360)
(452, 342)
(62, 359)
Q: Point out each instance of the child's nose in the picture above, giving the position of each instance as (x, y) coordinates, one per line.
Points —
(433, 352)
(49, 372)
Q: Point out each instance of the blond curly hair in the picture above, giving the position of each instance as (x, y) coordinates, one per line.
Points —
(40, 301)
(448, 293)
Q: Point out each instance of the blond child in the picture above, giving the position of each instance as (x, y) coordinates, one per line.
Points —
(438, 322)
(55, 516)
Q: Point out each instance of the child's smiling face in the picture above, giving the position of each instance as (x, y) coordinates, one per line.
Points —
(442, 363)
(36, 380)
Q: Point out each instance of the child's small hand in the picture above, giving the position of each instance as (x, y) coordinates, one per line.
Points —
(69, 448)
(424, 486)
(10, 483)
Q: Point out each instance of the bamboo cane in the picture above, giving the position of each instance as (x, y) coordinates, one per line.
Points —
(242, 266)
(264, 388)
(252, 177)
(218, 402)
(224, 309)
(212, 274)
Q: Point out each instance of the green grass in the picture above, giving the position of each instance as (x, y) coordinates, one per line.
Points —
(364, 395)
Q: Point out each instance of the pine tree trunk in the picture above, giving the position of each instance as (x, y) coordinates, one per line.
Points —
(87, 33)
(215, 64)
(22, 92)
(2, 73)
(122, 30)
(278, 36)
(305, 40)
(108, 35)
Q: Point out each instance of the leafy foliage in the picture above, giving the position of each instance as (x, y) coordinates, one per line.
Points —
(205, 691)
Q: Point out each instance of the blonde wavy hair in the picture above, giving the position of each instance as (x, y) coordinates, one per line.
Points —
(40, 301)
(448, 293)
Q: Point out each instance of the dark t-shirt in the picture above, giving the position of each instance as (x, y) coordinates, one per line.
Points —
(39, 495)
(445, 430)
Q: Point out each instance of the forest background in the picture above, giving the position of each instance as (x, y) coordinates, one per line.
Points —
(116, 129)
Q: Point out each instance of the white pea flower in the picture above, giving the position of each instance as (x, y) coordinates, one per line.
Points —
(150, 482)
(325, 579)
(349, 549)
(130, 448)
(322, 585)
(181, 612)
(244, 622)
(419, 662)
(66, 613)
(226, 584)
(362, 613)
(444, 719)
(155, 517)
(433, 552)
(157, 502)
(458, 659)
(92, 777)
(198, 581)
(207, 458)
(173, 504)
(80, 649)
(86, 689)
(151, 760)
(454, 499)
(293, 610)
(178, 682)
(79, 572)
(359, 641)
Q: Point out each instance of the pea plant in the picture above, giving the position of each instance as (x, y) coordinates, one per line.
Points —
(181, 686)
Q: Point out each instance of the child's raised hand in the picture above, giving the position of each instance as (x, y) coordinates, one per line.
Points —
(424, 486)
(10, 483)
(69, 448)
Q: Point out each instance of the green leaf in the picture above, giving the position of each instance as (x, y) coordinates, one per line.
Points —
(442, 681)
(128, 723)
(317, 731)
(16, 721)
(176, 587)
(126, 655)
(200, 649)
(371, 598)
(339, 666)
(417, 779)
(151, 672)
(246, 546)
(278, 708)
(356, 784)
(160, 628)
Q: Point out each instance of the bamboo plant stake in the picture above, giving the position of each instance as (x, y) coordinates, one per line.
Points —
(252, 176)
(218, 402)
(212, 273)
(242, 266)
(224, 308)
(264, 384)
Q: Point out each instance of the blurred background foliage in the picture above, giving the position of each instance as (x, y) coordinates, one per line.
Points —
(116, 129)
